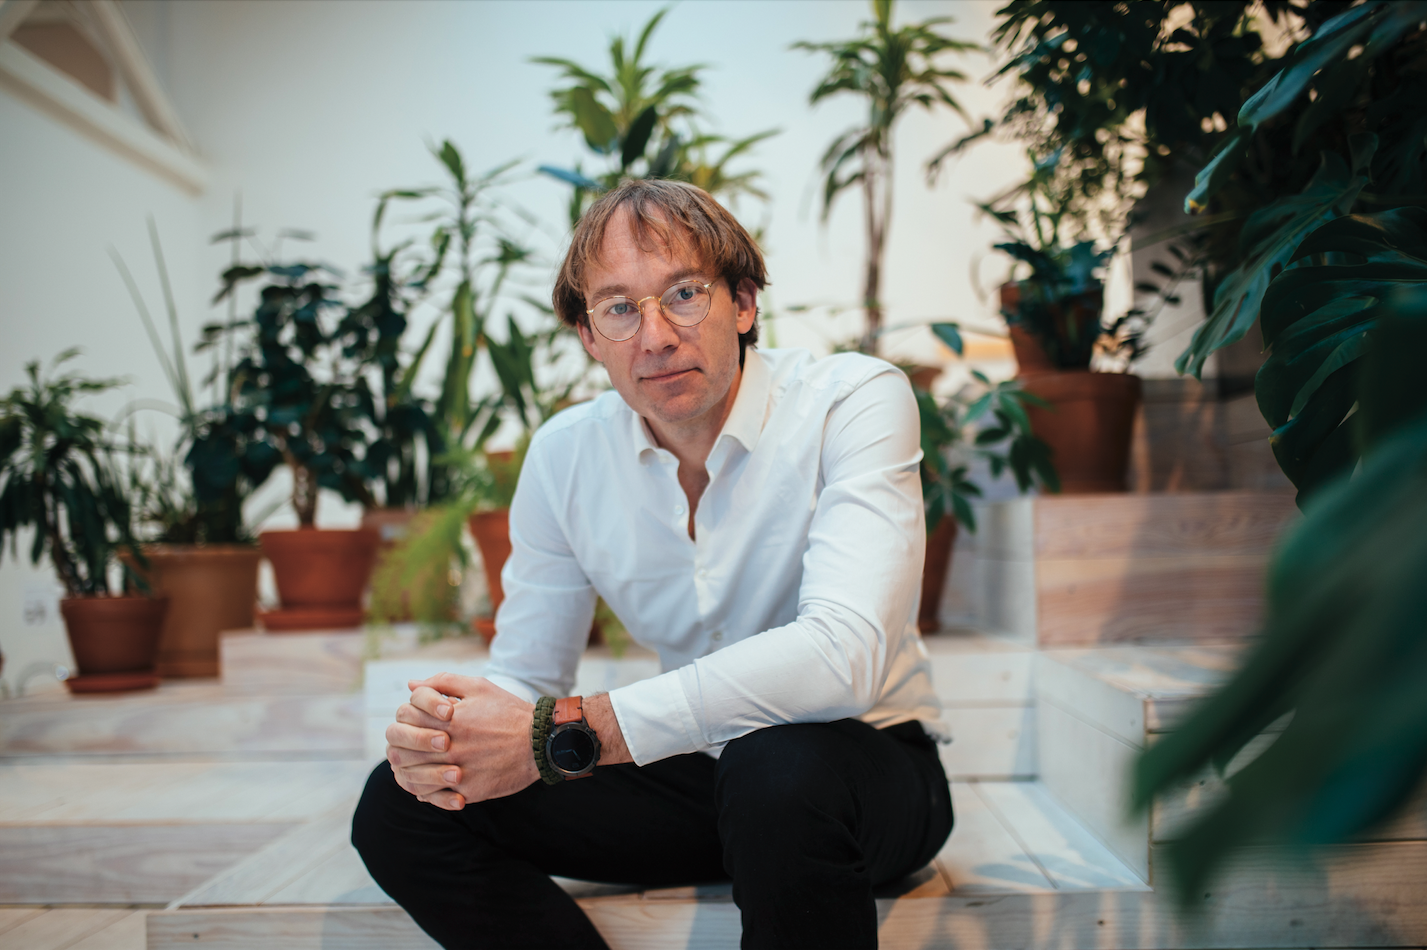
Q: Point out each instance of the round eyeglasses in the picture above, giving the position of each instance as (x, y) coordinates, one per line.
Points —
(685, 305)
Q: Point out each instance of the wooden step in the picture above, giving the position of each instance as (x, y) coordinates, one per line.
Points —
(1100, 708)
(1122, 568)
(83, 832)
(1011, 840)
(183, 717)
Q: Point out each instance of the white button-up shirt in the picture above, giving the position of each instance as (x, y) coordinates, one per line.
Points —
(795, 602)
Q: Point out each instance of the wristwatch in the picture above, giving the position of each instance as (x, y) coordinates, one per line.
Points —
(573, 749)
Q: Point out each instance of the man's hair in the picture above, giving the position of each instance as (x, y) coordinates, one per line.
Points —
(663, 214)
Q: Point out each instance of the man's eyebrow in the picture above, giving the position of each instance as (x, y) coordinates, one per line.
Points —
(623, 290)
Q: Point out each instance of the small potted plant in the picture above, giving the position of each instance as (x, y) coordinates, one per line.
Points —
(196, 550)
(295, 398)
(1055, 318)
(982, 421)
(58, 479)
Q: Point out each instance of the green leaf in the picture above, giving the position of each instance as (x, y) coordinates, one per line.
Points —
(1212, 177)
(637, 139)
(950, 334)
(1270, 238)
(594, 120)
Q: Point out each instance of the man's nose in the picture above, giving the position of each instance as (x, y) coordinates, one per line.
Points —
(655, 330)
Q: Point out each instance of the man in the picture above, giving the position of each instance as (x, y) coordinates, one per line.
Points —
(756, 518)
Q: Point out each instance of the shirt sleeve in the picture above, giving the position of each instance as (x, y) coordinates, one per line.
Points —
(548, 597)
(861, 574)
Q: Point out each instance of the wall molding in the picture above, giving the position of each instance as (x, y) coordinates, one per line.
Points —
(162, 150)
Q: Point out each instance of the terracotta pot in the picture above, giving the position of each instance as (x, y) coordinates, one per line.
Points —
(1084, 312)
(210, 589)
(112, 635)
(1088, 430)
(320, 576)
(934, 570)
(491, 529)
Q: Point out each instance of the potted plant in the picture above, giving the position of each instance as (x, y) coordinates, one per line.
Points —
(1055, 318)
(295, 397)
(197, 551)
(982, 421)
(57, 478)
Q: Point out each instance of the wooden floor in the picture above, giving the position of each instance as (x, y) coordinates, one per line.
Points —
(98, 928)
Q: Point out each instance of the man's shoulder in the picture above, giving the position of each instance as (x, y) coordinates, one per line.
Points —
(839, 372)
(604, 419)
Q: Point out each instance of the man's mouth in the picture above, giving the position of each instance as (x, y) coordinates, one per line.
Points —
(667, 377)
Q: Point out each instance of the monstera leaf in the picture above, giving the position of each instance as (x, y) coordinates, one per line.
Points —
(1269, 240)
(1318, 322)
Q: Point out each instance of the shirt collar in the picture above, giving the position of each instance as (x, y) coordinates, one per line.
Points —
(745, 420)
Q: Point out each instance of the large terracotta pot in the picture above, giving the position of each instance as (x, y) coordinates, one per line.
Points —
(210, 589)
(1080, 315)
(115, 640)
(491, 529)
(934, 571)
(1088, 429)
(320, 575)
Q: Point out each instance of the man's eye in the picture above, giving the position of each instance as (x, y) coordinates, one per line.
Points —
(685, 293)
(618, 309)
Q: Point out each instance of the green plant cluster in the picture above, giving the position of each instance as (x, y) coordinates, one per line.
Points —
(640, 120)
(59, 478)
(986, 421)
(1337, 276)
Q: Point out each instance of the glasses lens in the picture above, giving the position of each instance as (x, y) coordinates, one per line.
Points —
(686, 303)
(617, 318)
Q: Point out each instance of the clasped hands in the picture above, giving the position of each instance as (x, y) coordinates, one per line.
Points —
(461, 739)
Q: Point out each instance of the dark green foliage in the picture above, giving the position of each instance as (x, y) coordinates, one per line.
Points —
(642, 121)
(57, 477)
(987, 421)
(1340, 128)
(1087, 69)
(294, 398)
(1344, 314)
(466, 261)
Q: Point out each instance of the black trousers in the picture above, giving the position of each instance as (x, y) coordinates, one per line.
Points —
(805, 819)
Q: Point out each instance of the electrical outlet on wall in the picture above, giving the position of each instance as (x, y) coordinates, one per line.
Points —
(41, 603)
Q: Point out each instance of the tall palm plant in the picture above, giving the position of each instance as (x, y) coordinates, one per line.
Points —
(892, 70)
(641, 121)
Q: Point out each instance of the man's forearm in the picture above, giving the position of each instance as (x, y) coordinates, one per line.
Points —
(599, 713)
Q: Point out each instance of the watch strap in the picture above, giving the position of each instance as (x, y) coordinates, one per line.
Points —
(569, 709)
(540, 728)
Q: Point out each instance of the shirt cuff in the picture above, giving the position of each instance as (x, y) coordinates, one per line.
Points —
(655, 718)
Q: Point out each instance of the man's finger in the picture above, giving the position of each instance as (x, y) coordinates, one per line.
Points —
(417, 739)
(439, 774)
(447, 799)
(450, 684)
(437, 706)
(414, 715)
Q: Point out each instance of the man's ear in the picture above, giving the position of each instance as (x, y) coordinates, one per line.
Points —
(587, 337)
(746, 300)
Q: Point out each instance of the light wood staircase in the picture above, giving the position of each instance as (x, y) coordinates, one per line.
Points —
(1091, 624)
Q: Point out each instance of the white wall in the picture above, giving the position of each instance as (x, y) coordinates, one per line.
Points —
(311, 109)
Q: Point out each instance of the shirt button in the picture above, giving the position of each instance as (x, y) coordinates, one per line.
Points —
(678, 510)
(703, 573)
(717, 636)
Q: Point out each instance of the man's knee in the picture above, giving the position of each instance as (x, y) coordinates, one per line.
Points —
(772, 776)
(381, 814)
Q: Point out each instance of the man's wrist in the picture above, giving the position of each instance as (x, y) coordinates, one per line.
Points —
(539, 733)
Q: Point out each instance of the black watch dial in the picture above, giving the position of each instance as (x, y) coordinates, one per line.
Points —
(572, 750)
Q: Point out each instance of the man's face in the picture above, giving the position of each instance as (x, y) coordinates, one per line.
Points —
(671, 375)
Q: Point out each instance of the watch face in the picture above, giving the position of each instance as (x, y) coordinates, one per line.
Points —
(572, 750)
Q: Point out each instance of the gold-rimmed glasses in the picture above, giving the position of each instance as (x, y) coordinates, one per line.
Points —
(685, 304)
